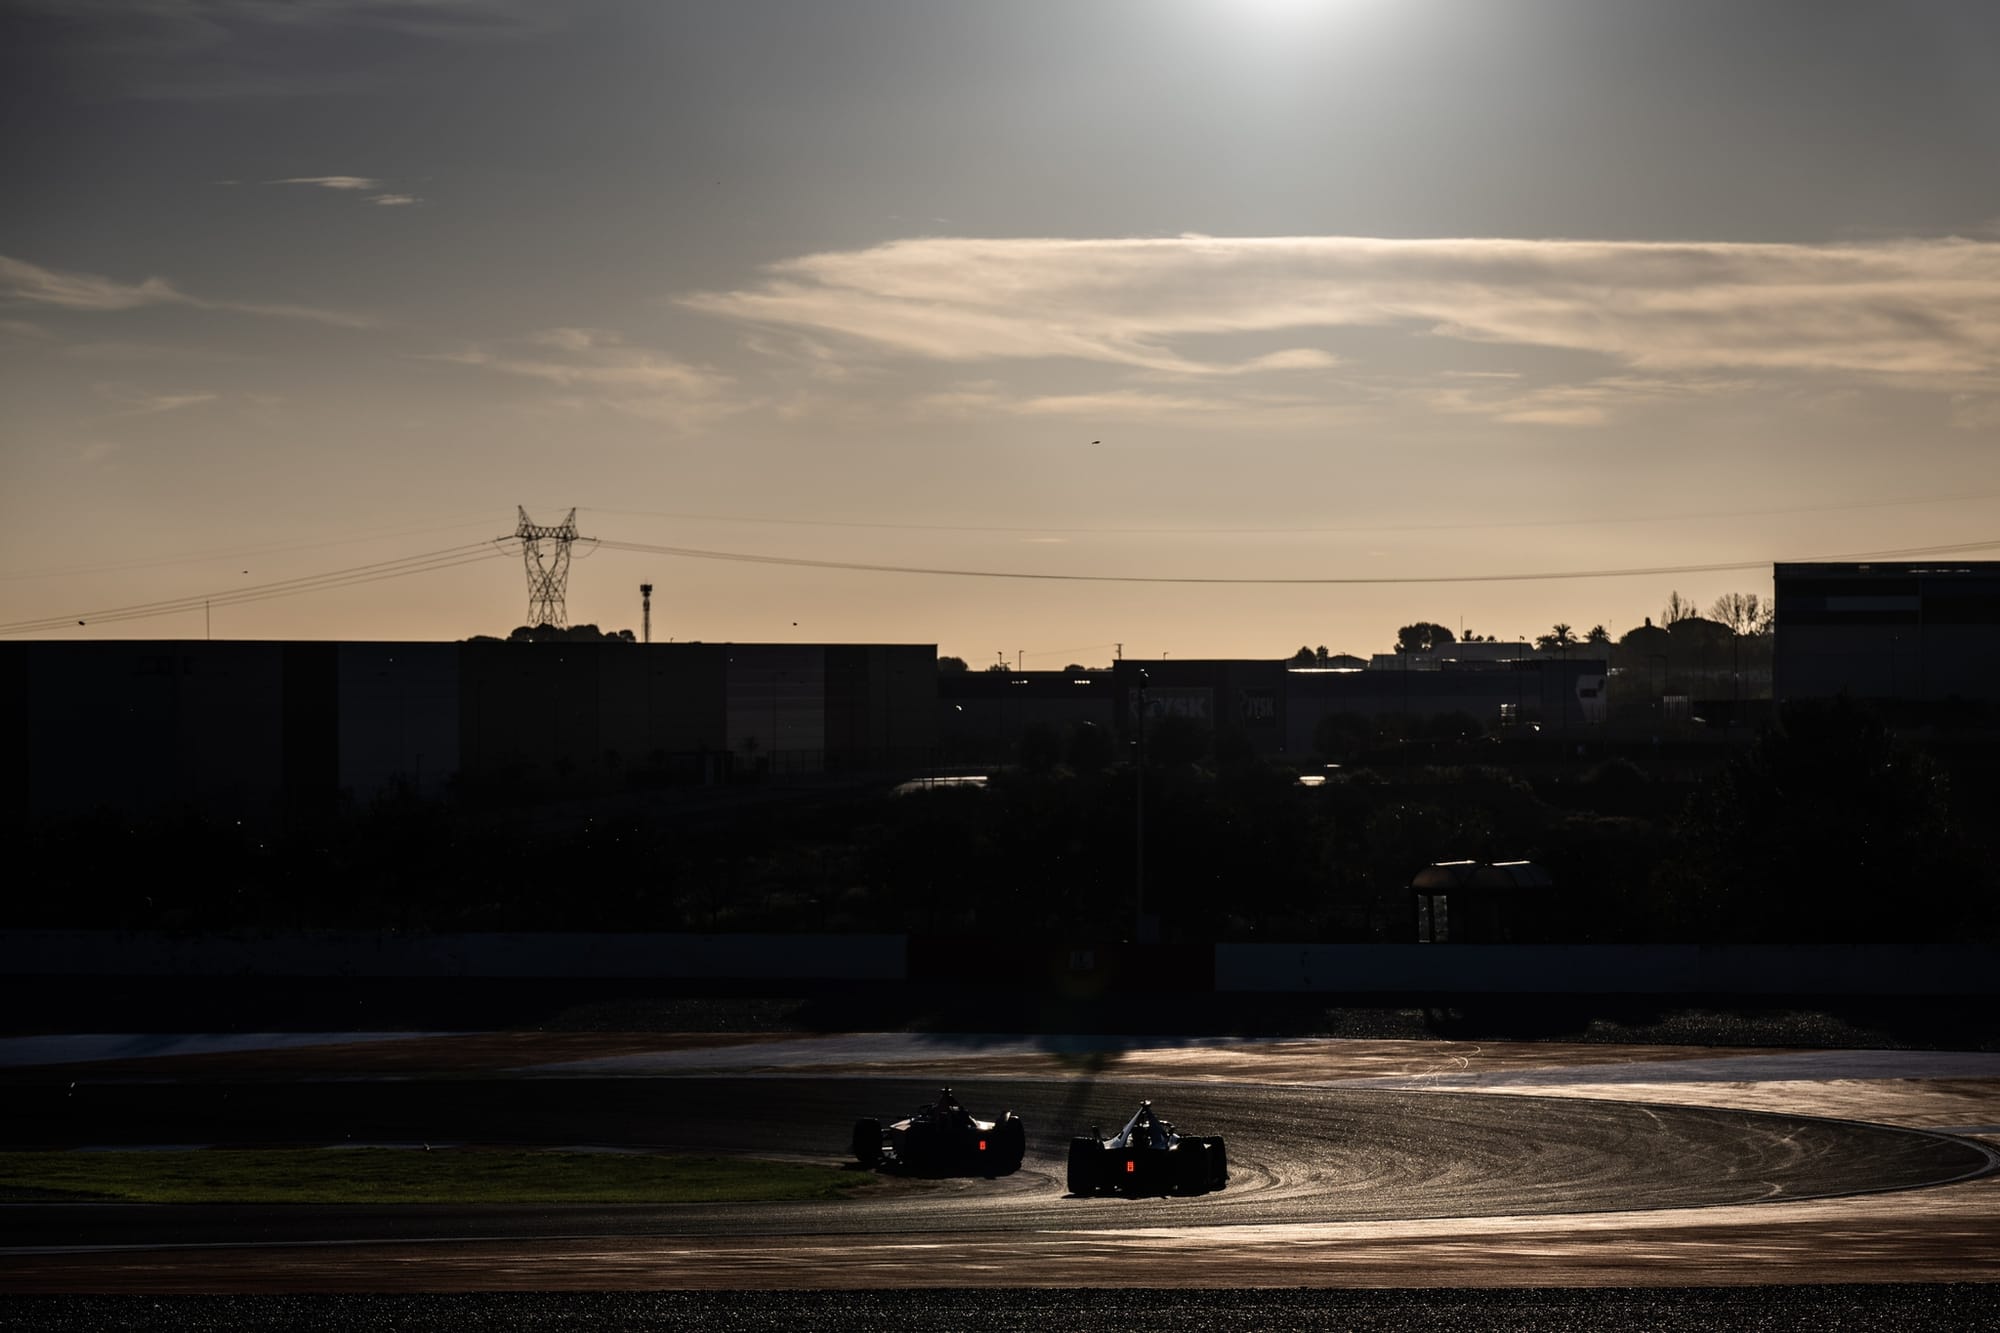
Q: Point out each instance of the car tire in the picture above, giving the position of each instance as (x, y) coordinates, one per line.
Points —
(1013, 1137)
(867, 1142)
(1085, 1157)
(1218, 1163)
(1191, 1170)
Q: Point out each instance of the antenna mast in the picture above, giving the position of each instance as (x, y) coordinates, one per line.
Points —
(645, 613)
(548, 570)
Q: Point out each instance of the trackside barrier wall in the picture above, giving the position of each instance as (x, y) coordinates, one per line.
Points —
(1074, 969)
(1352, 969)
(495, 955)
(1359, 969)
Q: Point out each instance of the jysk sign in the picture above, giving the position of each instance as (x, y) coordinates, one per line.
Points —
(1174, 701)
(1258, 705)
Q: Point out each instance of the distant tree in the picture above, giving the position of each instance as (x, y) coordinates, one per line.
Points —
(1815, 835)
(1698, 632)
(996, 666)
(1338, 735)
(1646, 638)
(1303, 657)
(1560, 636)
(1319, 654)
(1172, 741)
(1646, 652)
(1041, 747)
(1422, 637)
(1743, 612)
(951, 666)
(1074, 667)
(1598, 635)
(1091, 748)
(1455, 726)
(1678, 608)
(570, 634)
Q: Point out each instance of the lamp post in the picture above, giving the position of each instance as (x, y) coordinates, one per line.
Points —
(1139, 831)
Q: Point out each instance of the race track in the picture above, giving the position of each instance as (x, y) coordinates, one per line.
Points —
(1419, 1183)
(1298, 1155)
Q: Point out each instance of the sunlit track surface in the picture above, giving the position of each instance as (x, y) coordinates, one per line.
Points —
(1298, 1155)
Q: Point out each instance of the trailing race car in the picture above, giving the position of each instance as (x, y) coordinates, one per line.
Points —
(1147, 1157)
(943, 1139)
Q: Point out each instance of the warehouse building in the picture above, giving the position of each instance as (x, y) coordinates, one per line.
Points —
(1924, 633)
(256, 729)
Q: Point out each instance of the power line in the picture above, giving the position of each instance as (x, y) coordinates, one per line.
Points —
(801, 562)
(423, 563)
(238, 552)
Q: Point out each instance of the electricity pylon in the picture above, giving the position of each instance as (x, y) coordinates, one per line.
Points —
(548, 570)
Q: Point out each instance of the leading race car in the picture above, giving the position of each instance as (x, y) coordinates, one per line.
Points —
(943, 1138)
(1148, 1156)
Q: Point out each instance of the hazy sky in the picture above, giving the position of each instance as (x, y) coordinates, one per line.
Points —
(1202, 289)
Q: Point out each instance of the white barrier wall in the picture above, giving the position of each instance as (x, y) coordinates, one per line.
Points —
(1656, 969)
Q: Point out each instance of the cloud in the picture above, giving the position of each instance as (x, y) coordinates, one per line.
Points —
(1918, 313)
(22, 283)
(1591, 403)
(31, 284)
(377, 190)
(135, 402)
(1124, 404)
(330, 182)
(605, 370)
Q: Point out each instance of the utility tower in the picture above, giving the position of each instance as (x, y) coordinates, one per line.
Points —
(548, 568)
(645, 613)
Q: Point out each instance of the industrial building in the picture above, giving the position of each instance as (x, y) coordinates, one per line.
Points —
(257, 729)
(1921, 633)
(1273, 707)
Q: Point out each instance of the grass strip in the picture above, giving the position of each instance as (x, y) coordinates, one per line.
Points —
(395, 1175)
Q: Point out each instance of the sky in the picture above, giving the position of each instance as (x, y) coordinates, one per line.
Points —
(1239, 325)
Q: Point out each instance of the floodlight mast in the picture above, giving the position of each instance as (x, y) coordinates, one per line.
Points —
(548, 568)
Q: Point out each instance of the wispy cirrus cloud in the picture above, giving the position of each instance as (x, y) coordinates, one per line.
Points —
(131, 401)
(599, 367)
(330, 182)
(23, 283)
(1918, 313)
(1589, 403)
(376, 189)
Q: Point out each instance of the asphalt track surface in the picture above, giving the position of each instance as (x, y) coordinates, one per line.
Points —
(1960, 1308)
(1298, 1154)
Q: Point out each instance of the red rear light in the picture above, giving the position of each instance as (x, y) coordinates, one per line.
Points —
(1130, 1166)
(982, 1145)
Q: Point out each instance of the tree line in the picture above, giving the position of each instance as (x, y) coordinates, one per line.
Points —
(1829, 828)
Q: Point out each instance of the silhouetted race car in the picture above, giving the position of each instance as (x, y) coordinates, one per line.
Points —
(943, 1138)
(1147, 1157)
